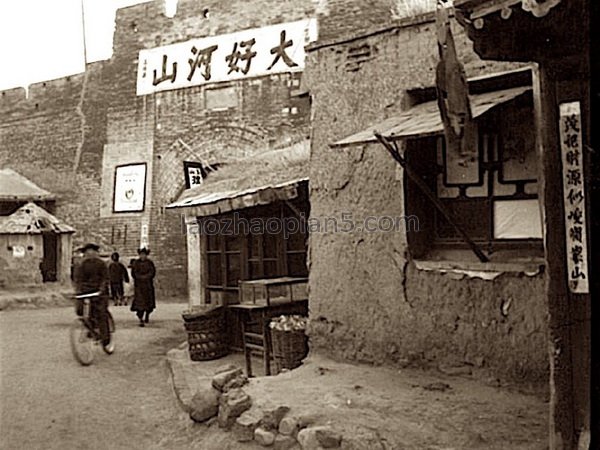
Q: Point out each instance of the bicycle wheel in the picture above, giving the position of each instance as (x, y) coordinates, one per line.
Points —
(82, 343)
(111, 330)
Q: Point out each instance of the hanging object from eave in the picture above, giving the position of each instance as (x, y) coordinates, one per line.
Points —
(462, 161)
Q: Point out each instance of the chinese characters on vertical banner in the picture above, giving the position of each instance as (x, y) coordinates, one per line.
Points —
(574, 197)
(248, 53)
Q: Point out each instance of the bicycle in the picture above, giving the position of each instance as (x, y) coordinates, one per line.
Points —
(84, 332)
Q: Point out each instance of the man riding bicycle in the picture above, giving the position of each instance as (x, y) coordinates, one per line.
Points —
(91, 276)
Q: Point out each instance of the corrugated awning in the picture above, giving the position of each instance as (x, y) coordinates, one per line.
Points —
(211, 204)
(258, 180)
(424, 119)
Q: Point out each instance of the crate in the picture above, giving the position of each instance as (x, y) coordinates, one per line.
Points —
(272, 291)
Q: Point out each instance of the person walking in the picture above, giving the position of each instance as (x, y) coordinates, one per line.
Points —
(91, 276)
(117, 274)
(143, 273)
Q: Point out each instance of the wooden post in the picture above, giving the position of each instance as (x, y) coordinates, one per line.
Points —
(196, 281)
(594, 194)
(569, 317)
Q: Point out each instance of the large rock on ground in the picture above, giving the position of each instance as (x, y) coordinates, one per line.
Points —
(315, 438)
(204, 404)
(221, 379)
(264, 437)
(284, 442)
(272, 417)
(289, 426)
(245, 425)
(232, 405)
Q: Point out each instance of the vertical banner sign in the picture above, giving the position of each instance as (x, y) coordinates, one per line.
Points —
(144, 236)
(574, 197)
(249, 53)
(130, 188)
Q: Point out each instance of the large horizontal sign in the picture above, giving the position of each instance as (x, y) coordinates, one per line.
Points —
(249, 53)
(574, 197)
(130, 188)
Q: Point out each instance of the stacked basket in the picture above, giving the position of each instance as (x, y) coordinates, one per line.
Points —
(206, 334)
(289, 340)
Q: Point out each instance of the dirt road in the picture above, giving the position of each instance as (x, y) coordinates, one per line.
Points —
(123, 401)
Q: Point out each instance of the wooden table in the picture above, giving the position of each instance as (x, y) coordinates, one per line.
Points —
(260, 315)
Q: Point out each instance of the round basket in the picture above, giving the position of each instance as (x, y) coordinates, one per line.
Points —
(289, 348)
(206, 334)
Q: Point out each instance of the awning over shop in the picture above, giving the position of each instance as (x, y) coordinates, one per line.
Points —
(258, 180)
(15, 187)
(424, 119)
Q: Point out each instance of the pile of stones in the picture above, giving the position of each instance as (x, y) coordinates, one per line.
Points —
(223, 400)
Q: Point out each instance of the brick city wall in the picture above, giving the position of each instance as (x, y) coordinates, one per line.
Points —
(368, 302)
(179, 124)
(41, 135)
(55, 137)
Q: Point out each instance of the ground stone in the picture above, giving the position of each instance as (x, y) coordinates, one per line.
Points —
(284, 442)
(272, 417)
(232, 405)
(313, 438)
(289, 426)
(245, 425)
(264, 437)
(204, 404)
(221, 379)
(237, 382)
(306, 420)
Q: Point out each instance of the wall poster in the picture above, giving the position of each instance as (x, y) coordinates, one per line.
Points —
(130, 188)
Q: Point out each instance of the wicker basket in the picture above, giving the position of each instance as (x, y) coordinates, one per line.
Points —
(206, 334)
(289, 348)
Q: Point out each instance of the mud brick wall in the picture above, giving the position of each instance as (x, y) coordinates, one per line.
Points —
(55, 137)
(368, 302)
(178, 123)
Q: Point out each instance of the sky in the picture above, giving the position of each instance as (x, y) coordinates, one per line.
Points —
(42, 39)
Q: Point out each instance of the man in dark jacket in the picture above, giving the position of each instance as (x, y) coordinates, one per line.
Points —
(92, 276)
(117, 274)
(143, 272)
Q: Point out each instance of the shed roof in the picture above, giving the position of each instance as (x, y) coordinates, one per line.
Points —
(32, 219)
(256, 180)
(425, 120)
(15, 187)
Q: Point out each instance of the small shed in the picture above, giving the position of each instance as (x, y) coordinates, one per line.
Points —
(35, 247)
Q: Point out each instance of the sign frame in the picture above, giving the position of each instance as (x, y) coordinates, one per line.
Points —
(245, 54)
(187, 165)
(116, 210)
(574, 196)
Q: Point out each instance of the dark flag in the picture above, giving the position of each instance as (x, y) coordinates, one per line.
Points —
(453, 102)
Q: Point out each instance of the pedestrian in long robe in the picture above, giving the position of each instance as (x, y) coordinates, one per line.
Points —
(143, 272)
